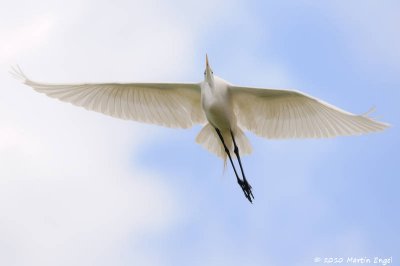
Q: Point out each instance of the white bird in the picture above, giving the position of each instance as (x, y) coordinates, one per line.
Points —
(224, 109)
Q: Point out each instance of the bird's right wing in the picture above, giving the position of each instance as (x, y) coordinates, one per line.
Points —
(292, 114)
(166, 104)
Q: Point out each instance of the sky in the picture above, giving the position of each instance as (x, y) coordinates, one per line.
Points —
(81, 188)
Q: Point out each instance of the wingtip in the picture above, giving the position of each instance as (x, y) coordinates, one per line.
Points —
(370, 111)
(18, 74)
(382, 125)
(385, 125)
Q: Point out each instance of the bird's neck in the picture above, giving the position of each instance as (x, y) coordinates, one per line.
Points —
(208, 88)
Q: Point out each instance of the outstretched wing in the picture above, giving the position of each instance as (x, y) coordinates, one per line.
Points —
(166, 104)
(293, 114)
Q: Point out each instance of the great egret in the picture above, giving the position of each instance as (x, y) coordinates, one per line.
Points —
(224, 110)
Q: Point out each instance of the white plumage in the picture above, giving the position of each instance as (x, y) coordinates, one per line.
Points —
(283, 114)
(269, 113)
(170, 105)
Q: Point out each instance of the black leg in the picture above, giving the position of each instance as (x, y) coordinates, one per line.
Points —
(243, 184)
(227, 152)
(246, 184)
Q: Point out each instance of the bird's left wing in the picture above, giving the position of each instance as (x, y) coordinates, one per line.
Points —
(166, 104)
(292, 114)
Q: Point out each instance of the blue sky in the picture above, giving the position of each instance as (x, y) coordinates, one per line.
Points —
(81, 188)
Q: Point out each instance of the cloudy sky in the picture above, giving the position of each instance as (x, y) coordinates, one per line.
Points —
(81, 188)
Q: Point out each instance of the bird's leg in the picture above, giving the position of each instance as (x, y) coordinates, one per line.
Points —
(240, 181)
(246, 186)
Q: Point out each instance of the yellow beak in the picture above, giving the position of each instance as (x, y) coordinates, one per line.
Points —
(207, 61)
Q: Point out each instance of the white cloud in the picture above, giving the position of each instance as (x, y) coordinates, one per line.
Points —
(67, 190)
(22, 39)
(69, 194)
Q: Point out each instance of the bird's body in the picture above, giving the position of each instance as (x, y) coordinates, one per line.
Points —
(225, 111)
(217, 104)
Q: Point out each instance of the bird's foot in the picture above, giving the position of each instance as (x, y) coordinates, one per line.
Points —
(246, 189)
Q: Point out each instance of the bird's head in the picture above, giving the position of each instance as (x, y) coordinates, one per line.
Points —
(208, 73)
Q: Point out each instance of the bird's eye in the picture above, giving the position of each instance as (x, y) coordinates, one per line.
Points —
(204, 72)
(212, 72)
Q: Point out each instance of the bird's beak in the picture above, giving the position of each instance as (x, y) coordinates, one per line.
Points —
(208, 68)
(208, 72)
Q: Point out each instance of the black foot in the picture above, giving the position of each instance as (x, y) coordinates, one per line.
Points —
(246, 189)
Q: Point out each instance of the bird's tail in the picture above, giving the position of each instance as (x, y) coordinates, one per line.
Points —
(209, 139)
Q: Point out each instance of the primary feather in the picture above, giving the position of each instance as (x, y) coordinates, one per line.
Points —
(280, 114)
(166, 104)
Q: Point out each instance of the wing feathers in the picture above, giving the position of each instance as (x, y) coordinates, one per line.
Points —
(167, 104)
(292, 114)
(268, 113)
